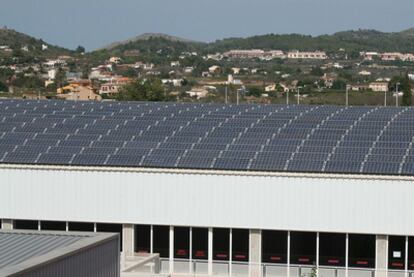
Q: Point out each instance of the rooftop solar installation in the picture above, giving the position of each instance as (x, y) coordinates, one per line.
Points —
(273, 138)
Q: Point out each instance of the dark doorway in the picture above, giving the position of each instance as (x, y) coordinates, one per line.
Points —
(182, 242)
(302, 248)
(142, 238)
(240, 245)
(362, 251)
(200, 243)
(221, 244)
(332, 249)
(161, 240)
(274, 247)
(396, 252)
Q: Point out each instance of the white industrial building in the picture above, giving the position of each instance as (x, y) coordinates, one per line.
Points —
(255, 190)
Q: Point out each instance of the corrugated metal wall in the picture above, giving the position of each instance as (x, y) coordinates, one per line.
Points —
(99, 261)
(253, 202)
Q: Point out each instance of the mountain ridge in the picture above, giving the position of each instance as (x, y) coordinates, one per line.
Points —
(147, 36)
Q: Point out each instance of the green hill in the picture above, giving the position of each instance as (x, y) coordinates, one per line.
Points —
(16, 40)
(351, 41)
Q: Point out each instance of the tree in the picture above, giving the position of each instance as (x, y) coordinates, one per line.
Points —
(339, 85)
(60, 78)
(80, 49)
(316, 71)
(3, 87)
(143, 90)
(255, 91)
(407, 94)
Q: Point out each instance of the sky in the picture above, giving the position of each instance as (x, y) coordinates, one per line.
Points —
(96, 23)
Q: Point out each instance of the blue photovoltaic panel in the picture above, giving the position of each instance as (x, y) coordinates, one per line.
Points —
(331, 139)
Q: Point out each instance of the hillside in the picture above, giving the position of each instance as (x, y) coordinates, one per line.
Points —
(146, 37)
(351, 41)
(16, 40)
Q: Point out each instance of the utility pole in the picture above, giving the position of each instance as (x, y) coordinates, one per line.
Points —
(396, 94)
(385, 99)
(237, 91)
(287, 97)
(225, 96)
(347, 96)
(298, 96)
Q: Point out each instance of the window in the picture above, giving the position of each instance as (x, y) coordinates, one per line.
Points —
(143, 238)
(81, 227)
(26, 224)
(240, 245)
(53, 225)
(362, 251)
(200, 243)
(221, 244)
(182, 242)
(302, 248)
(161, 240)
(274, 247)
(332, 249)
(396, 252)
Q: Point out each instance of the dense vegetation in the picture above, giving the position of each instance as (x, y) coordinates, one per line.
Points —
(352, 41)
(16, 40)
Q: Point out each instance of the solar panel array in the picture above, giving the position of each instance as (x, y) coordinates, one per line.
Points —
(366, 140)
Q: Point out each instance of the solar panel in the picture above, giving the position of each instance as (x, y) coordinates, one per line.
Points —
(358, 140)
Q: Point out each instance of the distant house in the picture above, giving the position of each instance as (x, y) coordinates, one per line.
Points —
(214, 69)
(391, 56)
(379, 86)
(198, 92)
(277, 87)
(364, 73)
(173, 82)
(236, 70)
(113, 87)
(79, 92)
(144, 66)
(276, 54)
(317, 55)
(244, 54)
(175, 64)
(54, 63)
(232, 81)
(270, 88)
(115, 60)
(359, 87)
(188, 69)
(369, 56)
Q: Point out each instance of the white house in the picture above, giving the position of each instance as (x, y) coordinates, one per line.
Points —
(197, 92)
(175, 64)
(214, 69)
(379, 86)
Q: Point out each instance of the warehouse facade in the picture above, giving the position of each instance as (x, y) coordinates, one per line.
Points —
(218, 189)
(325, 221)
